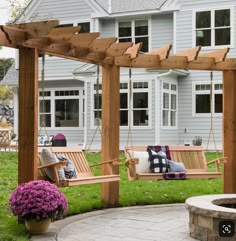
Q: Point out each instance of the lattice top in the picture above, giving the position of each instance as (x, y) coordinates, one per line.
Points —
(67, 42)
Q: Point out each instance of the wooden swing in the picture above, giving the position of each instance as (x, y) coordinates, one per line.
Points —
(83, 169)
(75, 154)
(193, 157)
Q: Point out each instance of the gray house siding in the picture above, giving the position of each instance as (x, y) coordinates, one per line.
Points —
(196, 126)
(161, 30)
(63, 10)
(200, 4)
(107, 27)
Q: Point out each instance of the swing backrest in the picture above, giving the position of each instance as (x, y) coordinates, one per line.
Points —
(76, 155)
(193, 157)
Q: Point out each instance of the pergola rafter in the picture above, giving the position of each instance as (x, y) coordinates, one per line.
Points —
(66, 42)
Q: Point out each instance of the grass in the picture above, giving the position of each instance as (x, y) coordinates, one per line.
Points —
(87, 198)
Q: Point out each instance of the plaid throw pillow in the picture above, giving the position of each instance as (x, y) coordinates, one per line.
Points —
(69, 169)
(158, 163)
(174, 175)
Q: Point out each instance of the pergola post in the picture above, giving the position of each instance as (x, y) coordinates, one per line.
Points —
(110, 129)
(28, 115)
(229, 130)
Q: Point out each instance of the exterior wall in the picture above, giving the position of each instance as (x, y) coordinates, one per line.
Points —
(161, 30)
(196, 126)
(65, 11)
(107, 27)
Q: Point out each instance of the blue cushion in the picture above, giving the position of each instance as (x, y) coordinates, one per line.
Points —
(176, 166)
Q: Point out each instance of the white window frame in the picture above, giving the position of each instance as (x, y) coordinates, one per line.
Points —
(133, 29)
(194, 92)
(170, 92)
(139, 90)
(212, 27)
(52, 99)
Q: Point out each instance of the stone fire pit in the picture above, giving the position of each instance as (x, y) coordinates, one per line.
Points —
(212, 217)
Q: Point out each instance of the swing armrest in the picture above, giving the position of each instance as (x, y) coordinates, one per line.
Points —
(131, 161)
(131, 168)
(218, 161)
(114, 162)
(56, 164)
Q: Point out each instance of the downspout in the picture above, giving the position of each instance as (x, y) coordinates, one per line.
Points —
(109, 6)
(85, 114)
(157, 106)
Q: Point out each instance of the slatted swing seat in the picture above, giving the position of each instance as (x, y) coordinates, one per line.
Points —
(83, 169)
(193, 158)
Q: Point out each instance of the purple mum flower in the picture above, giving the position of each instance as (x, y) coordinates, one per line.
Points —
(37, 199)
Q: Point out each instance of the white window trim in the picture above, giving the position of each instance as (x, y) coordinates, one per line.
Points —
(175, 82)
(212, 10)
(148, 90)
(132, 20)
(194, 114)
(53, 98)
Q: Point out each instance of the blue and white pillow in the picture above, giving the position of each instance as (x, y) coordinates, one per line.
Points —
(69, 169)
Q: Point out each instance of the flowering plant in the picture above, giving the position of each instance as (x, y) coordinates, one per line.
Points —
(38, 200)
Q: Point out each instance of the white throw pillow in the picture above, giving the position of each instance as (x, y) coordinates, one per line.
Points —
(47, 157)
(144, 165)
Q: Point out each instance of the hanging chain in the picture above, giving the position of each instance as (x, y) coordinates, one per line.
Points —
(129, 137)
(43, 123)
(211, 132)
(97, 122)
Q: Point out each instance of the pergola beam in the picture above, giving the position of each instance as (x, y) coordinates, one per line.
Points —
(175, 62)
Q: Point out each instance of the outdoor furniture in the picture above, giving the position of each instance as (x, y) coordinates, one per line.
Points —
(83, 169)
(6, 142)
(193, 158)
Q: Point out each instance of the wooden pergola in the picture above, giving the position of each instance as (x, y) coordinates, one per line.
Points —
(43, 37)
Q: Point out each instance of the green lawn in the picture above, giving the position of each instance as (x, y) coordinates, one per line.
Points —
(86, 198)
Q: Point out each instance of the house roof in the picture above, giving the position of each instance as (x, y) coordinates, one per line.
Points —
(11, 77)
(121, 6)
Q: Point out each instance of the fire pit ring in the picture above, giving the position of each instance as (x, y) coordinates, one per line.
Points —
(212, 217)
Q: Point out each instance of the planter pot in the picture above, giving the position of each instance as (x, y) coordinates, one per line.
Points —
(37, 227)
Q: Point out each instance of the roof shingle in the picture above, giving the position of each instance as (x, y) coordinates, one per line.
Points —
(121, 6)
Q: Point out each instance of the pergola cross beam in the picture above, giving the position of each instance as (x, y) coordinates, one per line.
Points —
(67, 42)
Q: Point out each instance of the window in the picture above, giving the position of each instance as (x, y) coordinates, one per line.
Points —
(169, 104)
(85, 27)
(45, 109)
(60, 108)
(97, 104)
(64, 25)
(213, 28)
(202, 101)
(139, 104)
(134, 31)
